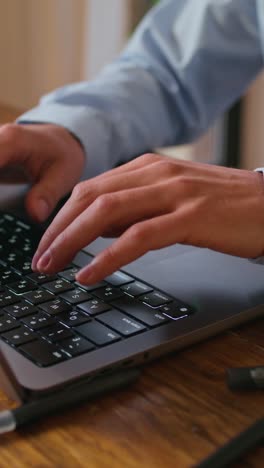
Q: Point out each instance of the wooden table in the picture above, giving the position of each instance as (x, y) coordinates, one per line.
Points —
(179, 411)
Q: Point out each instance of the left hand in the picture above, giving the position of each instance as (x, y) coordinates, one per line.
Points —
(152, 202)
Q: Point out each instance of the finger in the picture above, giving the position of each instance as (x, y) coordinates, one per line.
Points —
(43, 197)
(126, 207)
(136, 241)
(86, 193)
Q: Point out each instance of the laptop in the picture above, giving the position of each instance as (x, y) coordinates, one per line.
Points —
(55, 333)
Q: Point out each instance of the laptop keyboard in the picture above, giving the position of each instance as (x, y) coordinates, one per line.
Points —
(50, 319)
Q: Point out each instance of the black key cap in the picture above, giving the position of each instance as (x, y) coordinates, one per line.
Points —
(98, 333)
(139, 311)
(55, 307)
(118, 278)
(73, 318)
(12, 258)
(8, 323)
(155, 299)
(122, 323)
(8, 276)
(58, 286)
(69, 274)
(94, 307)
(108, 293)
(82, 259)
(13, 240)
(91, 287)
(136, 289)
(176, 309)
(56, 332)
(8, 298)
(75, 296)
(38, 321)
(76, 345)
(27, 247)
(38, 296)
(4, 233)
(23, 285)
(42, 352)
(19, 336)
(24, 266)
(41, 278)
(20, 310)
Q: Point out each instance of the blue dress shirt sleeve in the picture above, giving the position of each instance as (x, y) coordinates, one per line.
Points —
(186, 63)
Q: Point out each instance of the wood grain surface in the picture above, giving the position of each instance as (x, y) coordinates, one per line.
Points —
(178, 412)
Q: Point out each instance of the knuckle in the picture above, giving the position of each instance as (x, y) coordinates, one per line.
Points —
(10, 131)
(139, 234)
(79, 191)
(187, 185)
(166, 166)
(105, 202)
(149, 157)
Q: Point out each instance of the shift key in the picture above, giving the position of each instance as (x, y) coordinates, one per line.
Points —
(120, 322)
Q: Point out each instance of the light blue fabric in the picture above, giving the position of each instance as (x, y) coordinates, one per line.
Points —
(186, 63)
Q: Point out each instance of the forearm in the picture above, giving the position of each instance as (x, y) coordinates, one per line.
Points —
(167, 87)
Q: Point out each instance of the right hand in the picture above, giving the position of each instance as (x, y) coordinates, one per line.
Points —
(49, 156)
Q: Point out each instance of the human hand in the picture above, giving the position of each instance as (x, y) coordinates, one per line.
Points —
(153, 202)
(49, 158)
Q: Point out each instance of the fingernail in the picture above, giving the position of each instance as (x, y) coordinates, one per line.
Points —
(42, 209)
(44, 261)
(86, 274)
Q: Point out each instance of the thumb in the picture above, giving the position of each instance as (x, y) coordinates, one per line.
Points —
(43, 197)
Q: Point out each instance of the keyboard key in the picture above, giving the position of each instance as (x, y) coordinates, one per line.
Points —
(122, 323)
(108, 293)
(38, 321)
(58, 286)
(94, 307)
(75, 296)
(56, 332)
(12, 257)
(19, 336)
(38, 296)
(8, 298)
(8, 276)
(118, 278)
(8, 323)
(55, 307)
(21, 310)
(76, 345)
(73, 318)
(41, 278)
(155, 299)
(69, 274)
(136, 289)
(176, 309)
(42, 352)
(139, 311)
(23, 285)
(91, 287)
(98, 333)
(23, 266)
